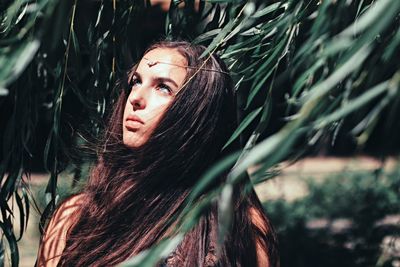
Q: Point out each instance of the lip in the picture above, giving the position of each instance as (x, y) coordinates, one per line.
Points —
(134, 118)
(133, 123)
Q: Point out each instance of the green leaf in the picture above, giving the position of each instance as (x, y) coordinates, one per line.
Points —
(205, 36)
(219, 38)
(75, 42)
(22, 215)
(149, 258)
(338, 75)
(372, 15)
(210, 175)
(12, 242)
(352, 105)
(243, 125)
(268, 9)
(225, 213)
(25, 57)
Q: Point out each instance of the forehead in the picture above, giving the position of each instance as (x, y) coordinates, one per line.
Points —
(163, 62)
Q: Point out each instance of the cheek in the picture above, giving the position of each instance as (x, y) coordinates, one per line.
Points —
(126, 110)
(159, 108)
(156, 115)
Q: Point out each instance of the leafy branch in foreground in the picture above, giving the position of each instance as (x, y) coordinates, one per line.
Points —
(353, 49)
(335, 63)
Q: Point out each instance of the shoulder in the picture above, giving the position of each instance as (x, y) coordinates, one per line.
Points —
(55, 236)
(66, 208)
(62, 218)
(260, 222)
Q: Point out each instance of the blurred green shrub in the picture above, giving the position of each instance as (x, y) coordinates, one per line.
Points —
(342, 221)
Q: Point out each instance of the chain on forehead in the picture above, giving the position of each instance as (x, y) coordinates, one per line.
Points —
(151, 63)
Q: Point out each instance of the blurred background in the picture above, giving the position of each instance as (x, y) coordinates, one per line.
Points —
(318, 97)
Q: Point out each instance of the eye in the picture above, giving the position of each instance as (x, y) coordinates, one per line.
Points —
(134, 81)
(165, 89)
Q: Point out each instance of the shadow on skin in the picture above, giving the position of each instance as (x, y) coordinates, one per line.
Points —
(54, 239)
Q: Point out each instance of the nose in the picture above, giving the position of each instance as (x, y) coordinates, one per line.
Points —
(137, 98)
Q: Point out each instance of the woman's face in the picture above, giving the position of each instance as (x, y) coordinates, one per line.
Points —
(153, 86)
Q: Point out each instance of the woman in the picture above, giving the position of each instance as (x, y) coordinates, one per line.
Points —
(166, 129)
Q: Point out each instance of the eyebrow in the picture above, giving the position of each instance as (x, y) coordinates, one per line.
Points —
(159, 79)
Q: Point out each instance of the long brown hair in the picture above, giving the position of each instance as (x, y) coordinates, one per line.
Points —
(132, 194)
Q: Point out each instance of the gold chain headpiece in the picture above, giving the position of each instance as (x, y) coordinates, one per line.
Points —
(152, 63)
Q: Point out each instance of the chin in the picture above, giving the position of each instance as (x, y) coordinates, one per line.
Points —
(132, 142)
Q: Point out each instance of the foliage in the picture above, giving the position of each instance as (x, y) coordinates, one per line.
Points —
(358, 202)
(59, 61)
